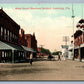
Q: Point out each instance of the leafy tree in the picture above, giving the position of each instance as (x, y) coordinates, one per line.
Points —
(56, 53)
(47, 51)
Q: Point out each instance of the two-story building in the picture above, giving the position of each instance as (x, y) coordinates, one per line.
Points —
(10, 50)
(79, 41)
(32, 42)
(26, 42)
(14, 47)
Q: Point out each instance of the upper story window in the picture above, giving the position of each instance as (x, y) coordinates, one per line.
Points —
(1, 31)
(5, 34)
(8, 35)
(13, 36)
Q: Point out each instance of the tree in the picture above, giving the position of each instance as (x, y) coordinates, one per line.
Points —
(56, 53)
(47, 51)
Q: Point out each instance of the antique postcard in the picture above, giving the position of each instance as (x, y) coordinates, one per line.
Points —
(41, 41)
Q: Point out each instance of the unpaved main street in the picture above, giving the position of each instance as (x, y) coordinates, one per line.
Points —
(43, 70)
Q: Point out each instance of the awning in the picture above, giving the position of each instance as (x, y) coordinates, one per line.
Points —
(77, 47)
(64, 46)
(32, 50)
(28, 49)
(82, 45)
(9, 46)
(70, 47)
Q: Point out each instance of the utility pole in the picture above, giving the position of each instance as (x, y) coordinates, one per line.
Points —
(41, 48)
(73, 29)
(65, 39)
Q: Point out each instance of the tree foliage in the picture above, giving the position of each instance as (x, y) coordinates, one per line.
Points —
(56, 53)
(47, 51)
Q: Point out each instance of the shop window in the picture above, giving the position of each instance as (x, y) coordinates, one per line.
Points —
(19, 54)
(5, 54)
(23, 55)
(2, 53)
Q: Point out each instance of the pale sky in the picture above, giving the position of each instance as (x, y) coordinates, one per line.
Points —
(49, 25)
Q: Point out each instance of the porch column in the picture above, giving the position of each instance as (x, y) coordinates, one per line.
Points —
(0, 55)
(12, 56)
(79, 54)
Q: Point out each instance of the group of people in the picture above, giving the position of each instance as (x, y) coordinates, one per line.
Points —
(61, 57)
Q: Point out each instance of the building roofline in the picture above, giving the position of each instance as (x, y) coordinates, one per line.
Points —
(1, 11)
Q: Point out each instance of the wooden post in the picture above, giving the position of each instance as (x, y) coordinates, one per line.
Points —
(79, 54)
(12, 56)
(0, 55)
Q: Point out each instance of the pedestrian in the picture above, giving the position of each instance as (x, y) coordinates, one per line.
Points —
(49, 57)
(59, 55)
(31, 58)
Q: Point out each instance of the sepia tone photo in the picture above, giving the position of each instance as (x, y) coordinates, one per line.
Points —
(41, 42)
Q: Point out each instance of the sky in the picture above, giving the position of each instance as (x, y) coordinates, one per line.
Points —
(50, 23)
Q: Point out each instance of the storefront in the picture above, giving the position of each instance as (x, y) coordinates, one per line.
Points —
(10, 52)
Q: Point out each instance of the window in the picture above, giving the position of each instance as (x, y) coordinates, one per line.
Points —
(8, 35)
(19, 54)
(13, 36)
(1, 31)
(5, 54)
(2, 53)
(5, 34)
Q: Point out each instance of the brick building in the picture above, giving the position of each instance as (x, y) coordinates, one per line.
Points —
(32, 43)
(79, 41)
(31, 40)
(9, 34)
(40, 51)
(9, 29)
(28, 43)
(22, 39)
(14, 46)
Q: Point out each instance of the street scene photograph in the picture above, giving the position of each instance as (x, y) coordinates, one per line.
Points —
(42, 42)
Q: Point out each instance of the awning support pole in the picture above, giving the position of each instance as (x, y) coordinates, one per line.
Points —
(12, 56)
(79, 54)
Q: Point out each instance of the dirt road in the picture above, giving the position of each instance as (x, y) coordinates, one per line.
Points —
(43, 70)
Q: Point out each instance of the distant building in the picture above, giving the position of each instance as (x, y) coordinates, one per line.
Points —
(39, 51)
(65, 50)
(22, 39)
(31, 40)
(32, 43)
(70, 50)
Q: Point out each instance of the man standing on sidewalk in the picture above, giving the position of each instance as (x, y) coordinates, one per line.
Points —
(31, 58)
(59, 56)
